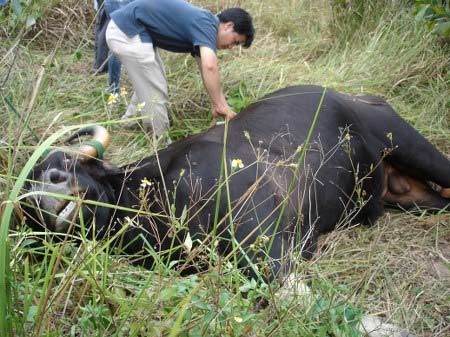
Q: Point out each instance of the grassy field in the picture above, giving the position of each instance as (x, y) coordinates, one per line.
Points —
(398, 269)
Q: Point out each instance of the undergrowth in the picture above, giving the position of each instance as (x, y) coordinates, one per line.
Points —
(397, 269)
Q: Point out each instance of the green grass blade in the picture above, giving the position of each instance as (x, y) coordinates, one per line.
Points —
(6, 311)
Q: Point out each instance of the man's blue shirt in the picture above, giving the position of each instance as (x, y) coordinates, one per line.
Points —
(174, 25)
(113, 5)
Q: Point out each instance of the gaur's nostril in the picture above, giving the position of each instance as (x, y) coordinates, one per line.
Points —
(56, 176)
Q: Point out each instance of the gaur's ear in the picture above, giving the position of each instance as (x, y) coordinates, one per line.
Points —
(100, 169)
(111, 169)
(445, 193)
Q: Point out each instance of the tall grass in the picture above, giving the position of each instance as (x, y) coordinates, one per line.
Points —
(398, 269)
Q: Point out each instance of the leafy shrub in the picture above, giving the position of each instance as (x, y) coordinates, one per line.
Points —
(435, 14)
(238, 98)
(20, 13)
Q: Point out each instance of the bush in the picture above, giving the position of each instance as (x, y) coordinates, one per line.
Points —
(435, 14)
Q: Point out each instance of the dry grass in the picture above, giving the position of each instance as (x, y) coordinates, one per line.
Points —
(398, 269)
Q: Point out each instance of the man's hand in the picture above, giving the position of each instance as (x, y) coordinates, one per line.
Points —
(224, 112)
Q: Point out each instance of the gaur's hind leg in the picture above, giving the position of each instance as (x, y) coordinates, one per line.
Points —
(408, 151)
(401, 189)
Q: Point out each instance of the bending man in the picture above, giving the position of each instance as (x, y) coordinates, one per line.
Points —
(138, 29)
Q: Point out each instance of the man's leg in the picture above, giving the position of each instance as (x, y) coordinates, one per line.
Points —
(101, 48)
(114, 66)
(131, 110)
(146, 73)
(159, 107)
(150, 86)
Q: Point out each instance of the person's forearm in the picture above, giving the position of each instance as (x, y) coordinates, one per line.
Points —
(209, 71)
(211, 80)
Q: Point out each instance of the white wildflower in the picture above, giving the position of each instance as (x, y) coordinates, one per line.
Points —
(112, 99)
(145, 183)
(140, 106)
(188, 242)
(237, 163)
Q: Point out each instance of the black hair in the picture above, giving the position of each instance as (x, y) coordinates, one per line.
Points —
(242, 23)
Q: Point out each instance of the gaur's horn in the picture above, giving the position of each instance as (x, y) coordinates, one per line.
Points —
(95, 147)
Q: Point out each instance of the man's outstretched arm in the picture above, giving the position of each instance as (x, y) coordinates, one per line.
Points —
(209, 70)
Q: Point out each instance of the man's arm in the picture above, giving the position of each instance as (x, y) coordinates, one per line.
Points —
(209, 70)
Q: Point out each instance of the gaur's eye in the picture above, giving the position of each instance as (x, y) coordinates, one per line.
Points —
(67, 162)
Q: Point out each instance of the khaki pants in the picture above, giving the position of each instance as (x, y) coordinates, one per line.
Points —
(146, 72)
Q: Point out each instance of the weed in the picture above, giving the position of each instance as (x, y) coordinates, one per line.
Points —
(398, 268)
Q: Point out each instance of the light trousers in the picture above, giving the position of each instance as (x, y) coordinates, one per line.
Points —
(146, 72)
